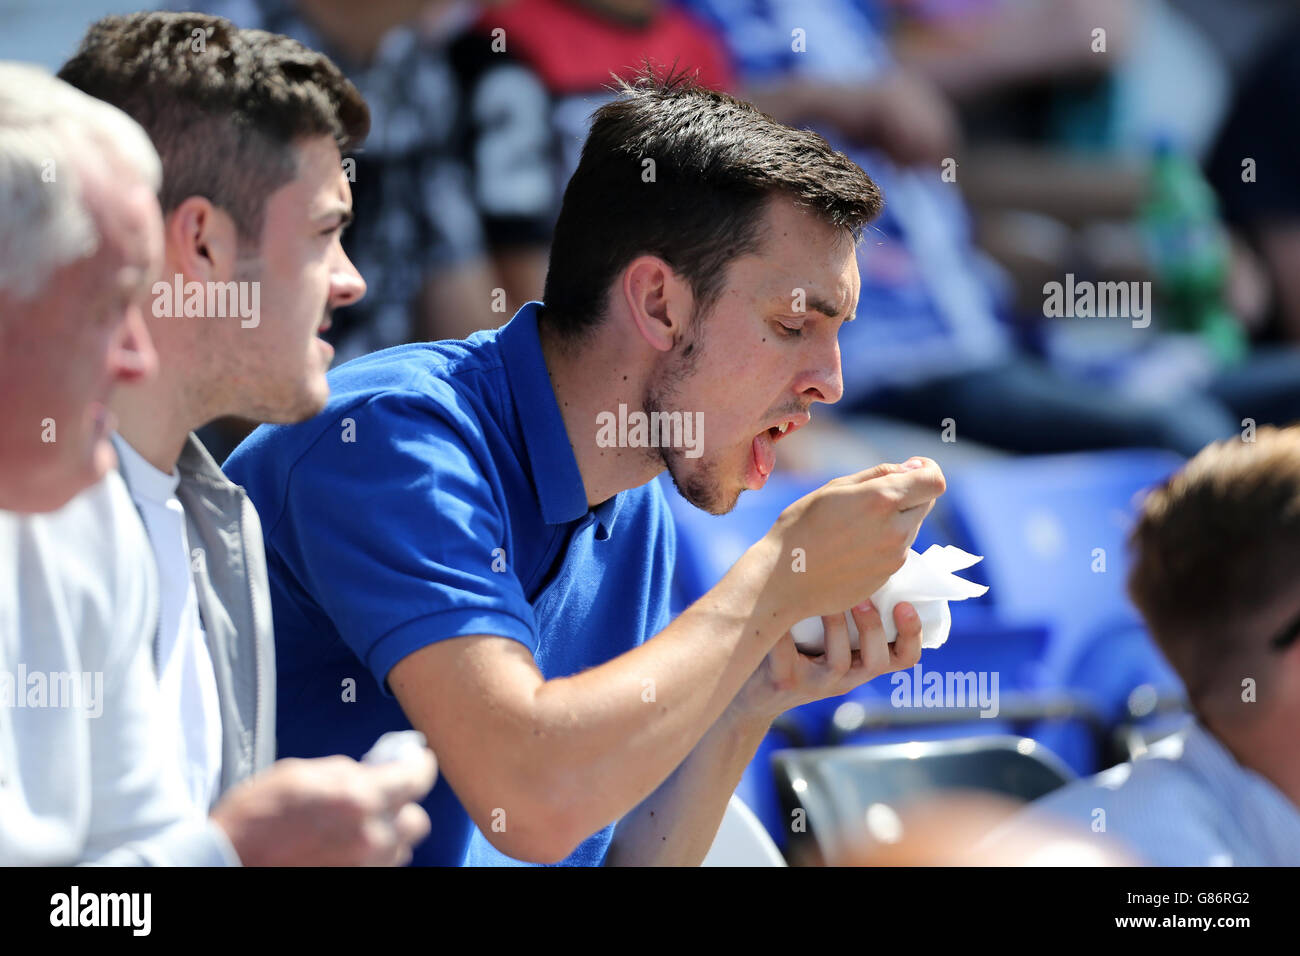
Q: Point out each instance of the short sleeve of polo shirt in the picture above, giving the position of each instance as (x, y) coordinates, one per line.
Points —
(391, 522)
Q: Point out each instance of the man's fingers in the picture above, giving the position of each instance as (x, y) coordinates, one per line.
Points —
(838, 655)
(906, 649)
(915, 486)
(377, 842)
(388, 838)
(872, 644)
(915, 483)
(910, 521)
(782, 659)
(866, 617)
(405, 781)
(867, 474)
(412, 824)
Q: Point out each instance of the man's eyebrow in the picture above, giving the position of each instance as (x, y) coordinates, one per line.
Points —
(344, 213)
(826, 307)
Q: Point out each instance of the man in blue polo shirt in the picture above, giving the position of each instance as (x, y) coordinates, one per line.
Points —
(468, 541)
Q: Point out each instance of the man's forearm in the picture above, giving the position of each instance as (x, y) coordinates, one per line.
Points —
(611, 736)
(677, 823)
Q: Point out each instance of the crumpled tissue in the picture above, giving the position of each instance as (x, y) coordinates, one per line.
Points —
(396, 746)
(926, 581)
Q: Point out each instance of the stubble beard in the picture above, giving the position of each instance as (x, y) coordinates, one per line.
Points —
(698, 481)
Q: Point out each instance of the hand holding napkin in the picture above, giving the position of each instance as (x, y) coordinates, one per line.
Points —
(926, 581)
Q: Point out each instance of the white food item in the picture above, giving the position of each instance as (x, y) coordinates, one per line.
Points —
(396, 746)
(926, 581)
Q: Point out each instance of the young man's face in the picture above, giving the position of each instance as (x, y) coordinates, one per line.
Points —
(304, 276)
(64, 352)
(759, 360)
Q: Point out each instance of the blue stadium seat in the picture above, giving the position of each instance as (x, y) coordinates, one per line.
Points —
(1053, 531)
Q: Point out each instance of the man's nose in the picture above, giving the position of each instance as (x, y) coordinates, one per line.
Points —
(346, 284)
(824, 381)
(132, 355)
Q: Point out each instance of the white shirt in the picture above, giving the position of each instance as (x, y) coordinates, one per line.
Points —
(1186, 802)
(185, 674)
(84, 774)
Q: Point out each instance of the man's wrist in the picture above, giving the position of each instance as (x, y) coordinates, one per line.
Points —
(744, 718)
(765, 571)
(743, 727)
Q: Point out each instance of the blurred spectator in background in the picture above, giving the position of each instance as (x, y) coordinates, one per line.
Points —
(1217, 552)
(994, 53)
(577, 47)
(1065, 102)
(948, 829)
(1253, 168)
(1084, 74)
(1237, 30)
(932, 345)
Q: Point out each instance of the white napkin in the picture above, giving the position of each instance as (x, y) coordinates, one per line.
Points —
(396, 746)
(926, 581)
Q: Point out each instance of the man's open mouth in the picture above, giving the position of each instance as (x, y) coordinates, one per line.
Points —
(763, 446)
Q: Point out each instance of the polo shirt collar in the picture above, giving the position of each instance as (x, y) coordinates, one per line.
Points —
(560, 491)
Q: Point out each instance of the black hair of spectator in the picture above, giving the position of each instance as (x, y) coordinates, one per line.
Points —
(700, 203)
(223, 106)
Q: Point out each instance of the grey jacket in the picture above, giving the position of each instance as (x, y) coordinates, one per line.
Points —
(228, 562)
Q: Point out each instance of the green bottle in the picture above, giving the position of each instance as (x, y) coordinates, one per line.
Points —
(1190, 254)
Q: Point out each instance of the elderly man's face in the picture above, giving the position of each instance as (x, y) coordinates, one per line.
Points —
(63, 352)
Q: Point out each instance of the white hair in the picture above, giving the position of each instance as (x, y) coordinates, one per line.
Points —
(48, 131)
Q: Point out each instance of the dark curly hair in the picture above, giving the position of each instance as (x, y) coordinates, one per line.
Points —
(222, 105)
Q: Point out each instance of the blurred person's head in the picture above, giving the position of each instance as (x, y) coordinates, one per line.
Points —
(80, 246)
(1216, 575)
(965, 828)
(251, 127)
(711, 249)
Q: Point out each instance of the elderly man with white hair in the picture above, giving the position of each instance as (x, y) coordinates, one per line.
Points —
(87, 755)
(82, 775)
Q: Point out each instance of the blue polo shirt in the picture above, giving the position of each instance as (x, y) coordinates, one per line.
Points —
(437, 495)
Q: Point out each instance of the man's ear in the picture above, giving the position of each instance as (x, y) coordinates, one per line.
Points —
(202, 240)
(659, 301)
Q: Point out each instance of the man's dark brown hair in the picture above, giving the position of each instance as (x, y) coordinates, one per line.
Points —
(223, 106)
(685, 173)
(1216, 556)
